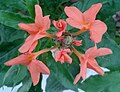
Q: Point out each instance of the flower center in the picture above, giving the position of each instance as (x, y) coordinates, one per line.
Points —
(67, 41)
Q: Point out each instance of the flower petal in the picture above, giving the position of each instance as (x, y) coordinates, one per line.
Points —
(103, 51)
(92, 64)
(58, 34)
(34, 72)
(30, 42)
(98, 28)
(39, 20)
(46, 22)
(30, 28)
(67, 58)
(22, 59)
(92, 52)
(83, 69)
(74, 23)
(36, 67)
(33, 46)
(90, 14)
(42, 67)
(77, 78)
(74, 13)
(77, 42)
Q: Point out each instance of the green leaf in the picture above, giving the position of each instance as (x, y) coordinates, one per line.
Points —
(56, 85)
(111, 27)
(12, 19)
(12, 5)
(11, 51)
(31, 7)
(21, 74)
(110, 82)
(2, 74)
(26, 84)
(8, 78)
(54, 8)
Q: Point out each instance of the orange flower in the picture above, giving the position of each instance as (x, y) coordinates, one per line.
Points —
(61, 25)
(88, 61)
(61, 55)
(34, 66)
(77, 42)
(86, 21)
(36, 30)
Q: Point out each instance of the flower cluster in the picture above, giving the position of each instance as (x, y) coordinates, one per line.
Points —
(64, 40)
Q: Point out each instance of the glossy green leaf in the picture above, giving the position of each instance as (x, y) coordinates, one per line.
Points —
(26, 84)
(8, 78)
(31, 7)
(110, 82)
(12, 19)
(21, 74)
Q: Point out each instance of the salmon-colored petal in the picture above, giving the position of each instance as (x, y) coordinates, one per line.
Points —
(34, 72)
(98, 28)
(77, 42)
(92, 52)
(92, 64)
(83, 70)
(42, 67)
(58, 34)
(62, 59)
(33, 46)
(67, 58)
(66, 50)
(39, 20)
(83, 67)
(38, 11)
(36, 67)
(61, 25)
(28, 44)
(55, 24)
(74, 13)
(103, 51)
(22, 59)
(74, 23)
(90, 14)
(57, 56)
(30, 28)
(46, 22)
(77, 78)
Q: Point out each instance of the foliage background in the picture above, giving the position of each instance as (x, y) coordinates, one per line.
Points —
(13, 12)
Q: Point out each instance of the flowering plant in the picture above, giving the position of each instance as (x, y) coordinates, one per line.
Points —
(63, 48)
